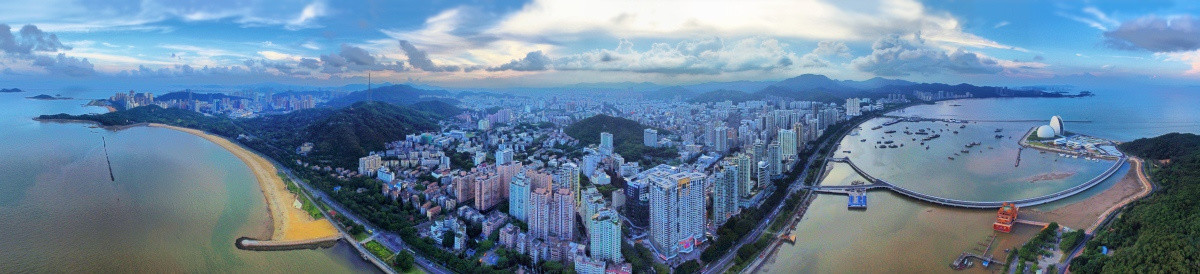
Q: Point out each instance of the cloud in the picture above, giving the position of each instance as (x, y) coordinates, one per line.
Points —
(533, 61)
(1093, 18)
(357, 55)
(1001, 24)
(564, 20)
(310, 63)
(896, 56)
(1156, 34)
(832, 48)
(703, 56)
(86, 16)
(419, 59)
(64, 65)
(31, 39)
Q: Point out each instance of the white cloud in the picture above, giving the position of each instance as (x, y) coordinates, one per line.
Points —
(560, 20)
(1001, 24)
(704, 56)
(1094, 18)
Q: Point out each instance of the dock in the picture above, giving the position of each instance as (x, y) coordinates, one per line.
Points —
(107, 160)
(964, 260)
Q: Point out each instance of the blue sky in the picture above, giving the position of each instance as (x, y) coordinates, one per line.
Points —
(482, 44)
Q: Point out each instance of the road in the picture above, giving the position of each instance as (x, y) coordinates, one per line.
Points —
(1138, 166)
(724, 263)
(389, 239)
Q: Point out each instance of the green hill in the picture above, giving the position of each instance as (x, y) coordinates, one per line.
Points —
(340, 136)
(400, 95)
(627, 138)
(440, 108)
(1159, 233)
(349, 133)
(1166, 146)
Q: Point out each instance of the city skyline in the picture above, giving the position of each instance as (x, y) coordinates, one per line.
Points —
(497, 44)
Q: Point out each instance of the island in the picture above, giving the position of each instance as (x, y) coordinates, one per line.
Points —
(10, 90)
(48, 97)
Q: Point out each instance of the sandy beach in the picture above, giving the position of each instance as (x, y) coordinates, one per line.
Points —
(288, 223)
(1087, 214)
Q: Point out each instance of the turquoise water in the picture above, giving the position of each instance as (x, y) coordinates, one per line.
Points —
(900, 235)
(177, 204)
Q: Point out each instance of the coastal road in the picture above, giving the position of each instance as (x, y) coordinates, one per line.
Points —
(724, 263)
(389, 239)
(1137, 166)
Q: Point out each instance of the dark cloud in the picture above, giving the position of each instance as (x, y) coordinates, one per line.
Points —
(533, 61)
(310, 63)
(420, 60)
(1156, 34)
(31, 39)
(357, 55)
(64, 65)
(333, 61)
(895, 56)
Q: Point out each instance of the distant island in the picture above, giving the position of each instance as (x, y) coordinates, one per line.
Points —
(10, 90)
(48, 97)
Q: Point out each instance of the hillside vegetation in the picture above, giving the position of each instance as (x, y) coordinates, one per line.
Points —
(1160, 233)
(627, 138)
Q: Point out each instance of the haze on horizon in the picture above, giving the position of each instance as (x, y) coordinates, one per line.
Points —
(494, 44)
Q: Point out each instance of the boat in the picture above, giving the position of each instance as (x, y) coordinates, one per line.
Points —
(955, 132)
(965, 151)
(876, 127)
(888, 142)
(926, 147)
(863, 140)
(998, 136)
(892, 146)
(962, 126)
(845, 151)
(882, 146)
(951, 158)
(999, 130)
(890, 131)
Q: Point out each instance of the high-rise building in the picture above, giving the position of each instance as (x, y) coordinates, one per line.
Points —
(562, 215)
(721, 139)
(370, 163)
(488, 191)
(676, 211)
(745, 180)
(539, 213)
(725, 192)
(606, 143)
(591, 203)
(853, 107)
(605, 235)
(464, 187)
(787, 143)
(637, 203)
(773, 156)
(567, 176)
(650, 137)
(518, 197)
(504, 156)
(764, 174)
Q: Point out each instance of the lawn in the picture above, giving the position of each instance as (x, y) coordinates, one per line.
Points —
(379, 250)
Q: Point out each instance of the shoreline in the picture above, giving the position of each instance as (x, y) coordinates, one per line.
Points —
(287, 223)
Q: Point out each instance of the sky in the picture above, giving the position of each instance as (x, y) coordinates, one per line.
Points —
(131, 44)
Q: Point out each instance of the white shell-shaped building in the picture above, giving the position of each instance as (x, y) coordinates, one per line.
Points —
(1045, 132)
(1056, 123)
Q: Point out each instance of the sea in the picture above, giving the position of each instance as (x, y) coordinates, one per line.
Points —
(896, 234)
(177, 203)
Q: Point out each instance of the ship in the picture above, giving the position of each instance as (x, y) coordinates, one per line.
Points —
(890, 131)
(876, 127)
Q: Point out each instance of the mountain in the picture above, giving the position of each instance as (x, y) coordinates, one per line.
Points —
(873, 83)
(627, 138)
(340, 136)
(10, 90)
(808, 82)
(669, 93)
(1167, 146)
(439, 108)
(721, 95)
(349, 133)
(183, 95)
(400, 95)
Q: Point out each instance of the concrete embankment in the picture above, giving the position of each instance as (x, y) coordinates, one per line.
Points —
(247, 243)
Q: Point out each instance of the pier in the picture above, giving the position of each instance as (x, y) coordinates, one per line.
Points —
(964, 259)
(107, 160)
(246, 243)
(877, 184)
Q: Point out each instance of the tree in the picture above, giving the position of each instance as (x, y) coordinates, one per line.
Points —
(404, 260)
(474, 230)
(448, 239)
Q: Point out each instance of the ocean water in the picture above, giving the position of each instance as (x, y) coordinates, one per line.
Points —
(177, 204)
(897, 234)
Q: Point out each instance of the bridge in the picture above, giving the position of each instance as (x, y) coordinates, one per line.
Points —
(878, 184)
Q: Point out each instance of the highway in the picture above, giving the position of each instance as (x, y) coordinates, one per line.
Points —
(724, 263)
(389, 239)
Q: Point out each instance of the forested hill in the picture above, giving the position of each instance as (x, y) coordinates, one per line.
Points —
(1166, 146)
(340, 136)
(627, 138)
(1159, 233)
